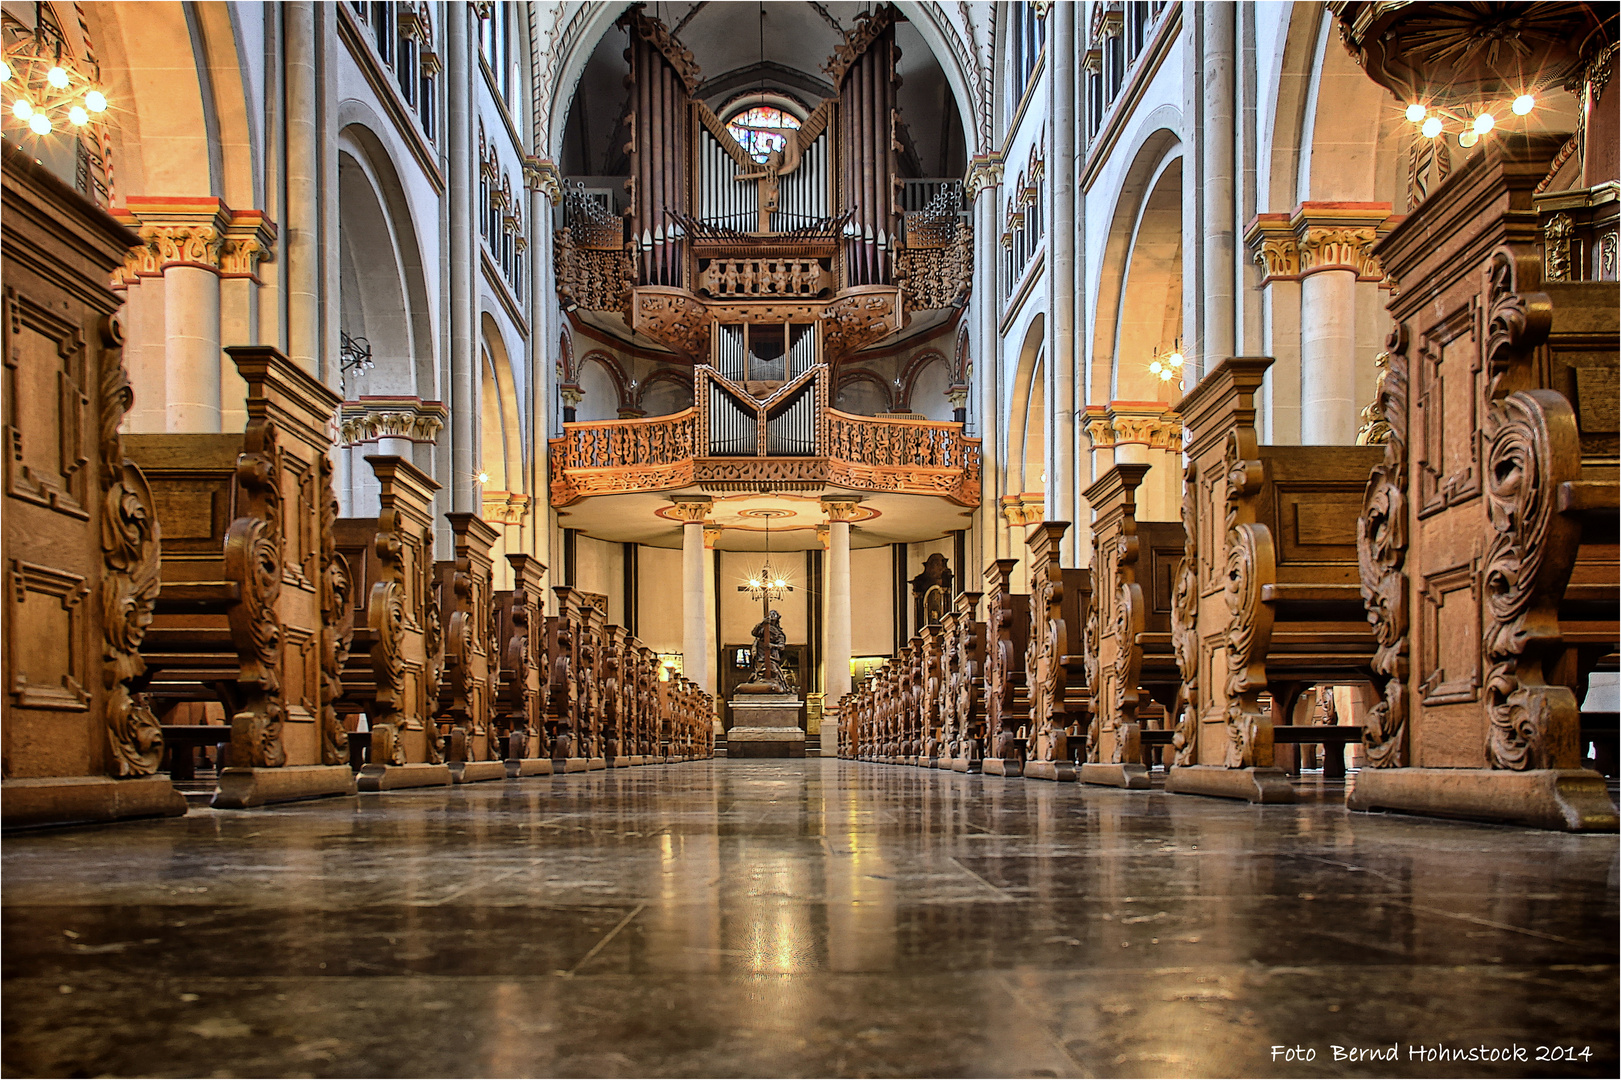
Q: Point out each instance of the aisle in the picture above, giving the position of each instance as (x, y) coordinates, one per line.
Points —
(796, 918)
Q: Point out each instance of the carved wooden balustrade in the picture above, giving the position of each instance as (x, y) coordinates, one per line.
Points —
(1007, 637)
(1488, 531)
(467, 692)
(523, 685)
(1060, 696)
(1276, 606)
(81, 524)
(396, 661)
(862, 453)
(255, 607)
(1129, 648)
(965, 689)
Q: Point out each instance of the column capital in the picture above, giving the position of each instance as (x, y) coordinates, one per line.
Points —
(1272, 243)
(1147, 422)
(1095, 422)
(712, 534)
(691, 511)
(824, 534)
(505, 507)
(841, 509)
(386, 417)
(200, 232)
(984, 174)
(1340, 236)
(542, 175)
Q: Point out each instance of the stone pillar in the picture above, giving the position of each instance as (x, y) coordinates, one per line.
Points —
(694, 612)
(461, 199)
(1271, 243)
(1099, 438)
(303, 246)
(1218, 68)
(836, 652)
(1150, 433)
(1335, 242)
(711, 673)
(191, 317)
(1063, 227)
(984, 177)
(383, 425)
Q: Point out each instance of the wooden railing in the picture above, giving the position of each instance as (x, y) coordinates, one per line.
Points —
(862, 453)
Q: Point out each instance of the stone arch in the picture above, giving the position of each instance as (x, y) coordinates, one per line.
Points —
(1149, 316)
(603, 385)
(915, 369)
(848, 395)
(1027, 422)
(387, 296)
(665, 393)
(501, 425)
(1157, 145)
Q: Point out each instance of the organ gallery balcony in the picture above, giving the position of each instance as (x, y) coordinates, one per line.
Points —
(765, 435)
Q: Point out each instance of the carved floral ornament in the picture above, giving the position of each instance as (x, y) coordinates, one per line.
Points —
(202, 233)
(505, 507)
(1319, 236)
(371, 419)
(1158, 428)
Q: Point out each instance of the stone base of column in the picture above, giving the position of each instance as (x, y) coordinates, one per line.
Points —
(474, 772)
(1125, 775)
(1569, 800)
(240, 788)
(517, 767)
(1253, 785)
(394, 777)
(58, 800)
(995, 766)
(1062, 771)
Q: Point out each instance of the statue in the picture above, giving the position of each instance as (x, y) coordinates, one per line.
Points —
(765, 677)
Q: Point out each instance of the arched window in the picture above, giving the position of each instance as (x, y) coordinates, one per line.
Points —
(761, 129)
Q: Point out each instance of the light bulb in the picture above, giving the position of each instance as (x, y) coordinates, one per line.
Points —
(1175, 360)
(1467, 138)
(21, 109)
(779, 583)
(1154, 367)
(5, 71)
(483, 477)
(57, 77)
(1431, 128)
(39, 124)
(754, 583)
(1524, 104)
(1484, 123)
(95, 101)
(79, 117)
(1415, 112)
(1165, 376)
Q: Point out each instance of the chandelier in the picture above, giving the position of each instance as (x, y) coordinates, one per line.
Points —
(1433, 120)
(1167, 366)
(768, 583)
(45, 87)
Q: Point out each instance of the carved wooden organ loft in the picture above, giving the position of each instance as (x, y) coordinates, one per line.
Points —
(764, 274)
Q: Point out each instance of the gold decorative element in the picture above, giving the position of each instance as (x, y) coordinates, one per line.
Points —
(1339, 236)
(205, 233)
(1557, 231)
(373, 418)
(692, 511)
(505, 507)
(1376, 422)
(131, 551)
(1273, 245)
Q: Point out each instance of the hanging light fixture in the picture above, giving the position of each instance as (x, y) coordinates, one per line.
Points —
(1167, 366)
(1470, 122)
(45, 87)
(768, 583)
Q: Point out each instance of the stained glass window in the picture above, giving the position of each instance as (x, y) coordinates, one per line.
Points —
(761, 129)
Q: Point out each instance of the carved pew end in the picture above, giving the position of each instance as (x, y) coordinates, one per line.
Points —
(55, 800)
(1131, 775)
(241, 787)
(1568, 800)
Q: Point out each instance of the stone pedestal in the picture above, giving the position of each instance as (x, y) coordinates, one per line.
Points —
(765, 725)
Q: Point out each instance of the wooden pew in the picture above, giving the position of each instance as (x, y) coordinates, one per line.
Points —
(81, 526)
(396, 665)
(1273, 530)
(563, 633)
(258, 585)
(593, 628)
(965, 690)
(930, 695)
(1496, 486)
(523, 681)
(615, 699)
(1129, 647)
(1054, 667)
(1007, 637)
(908, 710)
(467, 692)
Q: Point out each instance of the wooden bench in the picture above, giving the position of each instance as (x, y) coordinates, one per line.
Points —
(257, 584)
(467, 692)
(964, 693)
(1054, 666)
(396, 665)
(1007, 637)
(1275, 604)
(564, 631)
(523, 682)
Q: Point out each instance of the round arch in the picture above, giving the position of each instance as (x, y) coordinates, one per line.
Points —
(1026, 422)
(1149, 317)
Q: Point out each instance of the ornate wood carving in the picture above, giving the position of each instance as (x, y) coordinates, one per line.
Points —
(1185, 628)
(1251, 563)
(253, 560)
(1047, 645)
(1382, 560)
(673, 318)
(337, 621)
(859, 317)
(563, 645)
(465, 583)
(1006, 625)
(969, 693)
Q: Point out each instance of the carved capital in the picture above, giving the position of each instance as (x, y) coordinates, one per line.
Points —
(984, 174)
(1153, 425)
(201, 233)
(841, 509)
(691, 511)
(712, 535)
(373, 418)
(1272, 244)
(1340, 236)
(505, 507)
(1099, 432)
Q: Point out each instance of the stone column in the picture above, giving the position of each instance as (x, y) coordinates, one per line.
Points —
(984, 177)
(1335, 242)
(694, 612)
(711, 674)
(1218, 68)
(383, 425)
(1099, 438)
(303, 245)
(836, 651)
(1271, 243)
(1147, 433)
(1064, 224)
(461, 198)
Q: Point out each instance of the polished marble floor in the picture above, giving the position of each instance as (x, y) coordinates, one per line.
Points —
(803, 918)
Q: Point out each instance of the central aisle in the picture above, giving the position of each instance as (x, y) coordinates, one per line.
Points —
(796, 918)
